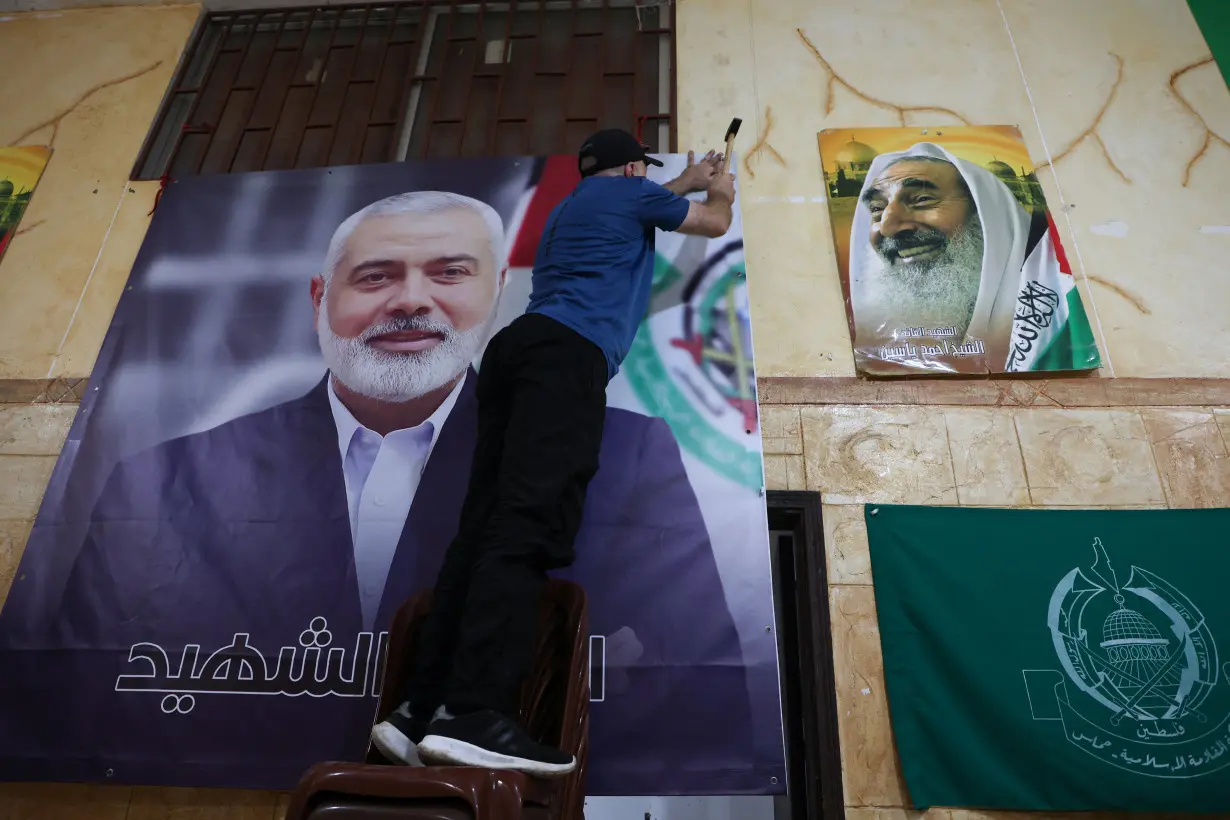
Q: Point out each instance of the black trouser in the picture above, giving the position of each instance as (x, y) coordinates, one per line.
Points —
(541, 406)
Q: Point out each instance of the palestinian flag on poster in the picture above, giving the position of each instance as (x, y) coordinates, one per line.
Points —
(1067, 342)
(555, 178)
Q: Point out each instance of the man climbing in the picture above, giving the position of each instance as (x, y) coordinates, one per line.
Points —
(541, 405)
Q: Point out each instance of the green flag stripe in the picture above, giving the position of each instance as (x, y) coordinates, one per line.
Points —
(1074, 348)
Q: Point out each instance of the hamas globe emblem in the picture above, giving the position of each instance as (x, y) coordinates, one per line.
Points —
(691, 363)
(1144, 666)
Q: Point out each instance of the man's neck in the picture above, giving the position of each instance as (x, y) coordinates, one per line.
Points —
(384, 417)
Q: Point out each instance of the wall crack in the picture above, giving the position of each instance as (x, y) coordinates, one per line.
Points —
(836, 79)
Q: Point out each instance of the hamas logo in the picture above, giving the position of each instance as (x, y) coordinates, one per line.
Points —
(1139, 665)
(691, 363)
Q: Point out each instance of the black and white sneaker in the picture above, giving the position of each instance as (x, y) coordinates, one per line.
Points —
(488, 740)
(399, 735)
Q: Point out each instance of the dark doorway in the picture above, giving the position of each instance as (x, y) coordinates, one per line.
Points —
(805, 646)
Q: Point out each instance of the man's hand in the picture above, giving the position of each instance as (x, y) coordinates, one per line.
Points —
(698, 175)
(721, 188)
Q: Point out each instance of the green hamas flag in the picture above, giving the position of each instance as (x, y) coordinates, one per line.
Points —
(1057, 660)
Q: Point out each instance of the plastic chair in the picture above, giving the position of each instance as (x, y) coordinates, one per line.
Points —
(554, 708)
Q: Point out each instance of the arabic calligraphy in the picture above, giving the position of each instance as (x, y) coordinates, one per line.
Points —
(972, 347)
(1180, 762)
(1036, 306)
(925, 332)
(1092, 740)
(1161, 731)
(899, 353)
(314, 668)
(906, 350)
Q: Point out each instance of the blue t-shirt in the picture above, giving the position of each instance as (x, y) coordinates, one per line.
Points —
(594, 266)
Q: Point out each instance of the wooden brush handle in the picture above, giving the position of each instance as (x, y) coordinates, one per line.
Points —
(730, 146)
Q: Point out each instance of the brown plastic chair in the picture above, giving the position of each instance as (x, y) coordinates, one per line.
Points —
(554, 708)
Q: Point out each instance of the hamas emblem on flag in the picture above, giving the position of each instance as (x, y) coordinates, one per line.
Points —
(691, 362)
(1139, 665)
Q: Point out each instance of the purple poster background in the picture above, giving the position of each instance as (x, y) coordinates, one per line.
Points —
(187, 609)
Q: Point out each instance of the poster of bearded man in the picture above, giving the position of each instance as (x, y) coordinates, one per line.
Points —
(949, 258)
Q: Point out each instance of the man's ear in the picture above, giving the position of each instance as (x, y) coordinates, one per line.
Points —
(318, 294)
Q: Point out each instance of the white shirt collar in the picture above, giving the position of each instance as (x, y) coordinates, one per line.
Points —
(347, 425)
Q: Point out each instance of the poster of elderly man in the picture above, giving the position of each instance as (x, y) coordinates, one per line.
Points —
(272, 456)
(949, 258)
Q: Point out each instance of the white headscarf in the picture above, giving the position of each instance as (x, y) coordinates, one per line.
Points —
(1005, 228)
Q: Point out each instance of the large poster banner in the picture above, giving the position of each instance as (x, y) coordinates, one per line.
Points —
(949, 259)
(205, 596)
(1056, 660)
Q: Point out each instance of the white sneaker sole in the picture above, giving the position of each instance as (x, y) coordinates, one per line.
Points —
(394, 745)
(460, 753)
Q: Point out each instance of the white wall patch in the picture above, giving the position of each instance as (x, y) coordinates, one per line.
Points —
(1115, 229)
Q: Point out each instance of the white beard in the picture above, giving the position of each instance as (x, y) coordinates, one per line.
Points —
(939, 294)
(400, 377)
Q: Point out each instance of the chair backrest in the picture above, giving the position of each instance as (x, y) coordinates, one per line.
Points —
(555, 698)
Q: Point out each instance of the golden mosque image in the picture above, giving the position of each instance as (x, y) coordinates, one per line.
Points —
(853, 162)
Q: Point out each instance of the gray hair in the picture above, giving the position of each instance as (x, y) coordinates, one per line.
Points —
(417, 202)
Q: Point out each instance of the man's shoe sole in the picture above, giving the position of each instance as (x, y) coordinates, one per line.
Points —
(394, 745)
(459, 753)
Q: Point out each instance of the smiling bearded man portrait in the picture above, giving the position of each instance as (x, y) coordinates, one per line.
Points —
(942, 255)
(409, 291)
(924, 261)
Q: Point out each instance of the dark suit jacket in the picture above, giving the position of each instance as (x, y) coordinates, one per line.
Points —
(244, 529)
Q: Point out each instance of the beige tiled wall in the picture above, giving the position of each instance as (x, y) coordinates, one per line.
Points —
(31, 436)
(89, 85)
(1112, 458)
(1120, 94)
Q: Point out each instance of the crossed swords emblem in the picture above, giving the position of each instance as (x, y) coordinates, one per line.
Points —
(1146, 688)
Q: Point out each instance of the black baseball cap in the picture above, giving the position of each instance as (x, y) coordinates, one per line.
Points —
(611, 148)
